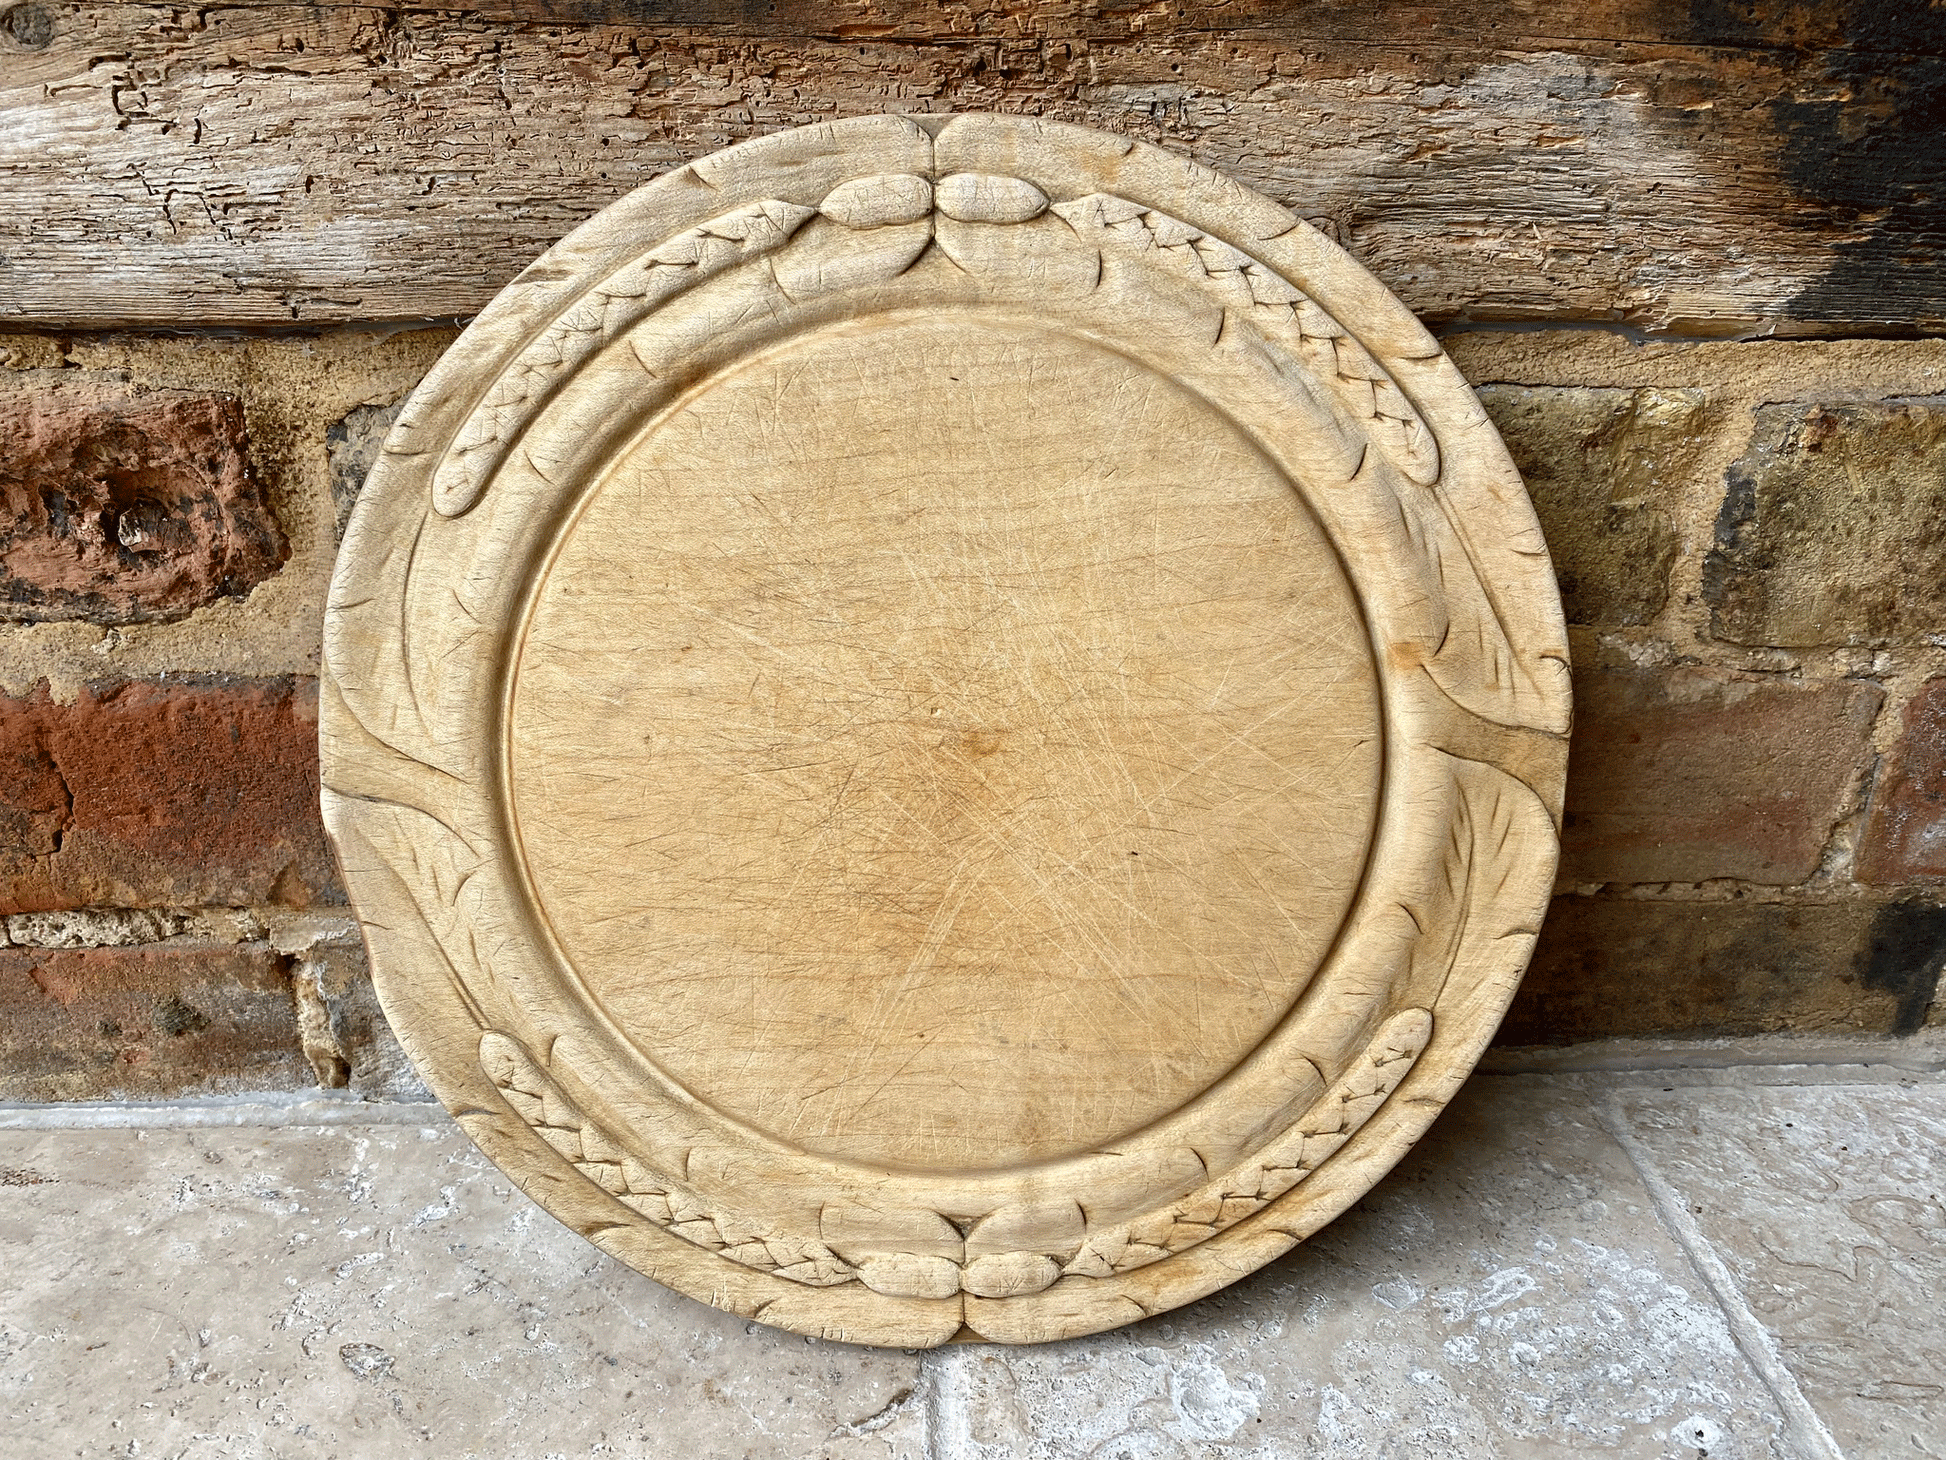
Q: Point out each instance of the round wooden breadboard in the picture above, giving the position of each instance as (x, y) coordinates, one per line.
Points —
(945, 727)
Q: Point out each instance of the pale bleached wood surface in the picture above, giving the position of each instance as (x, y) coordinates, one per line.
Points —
(1017, 734)
(1681, 168)
(945, 731)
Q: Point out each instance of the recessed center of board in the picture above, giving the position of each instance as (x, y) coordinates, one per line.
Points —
(946, 743)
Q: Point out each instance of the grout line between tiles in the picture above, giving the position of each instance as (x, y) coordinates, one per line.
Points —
(946, 1426)
(1806, 1432)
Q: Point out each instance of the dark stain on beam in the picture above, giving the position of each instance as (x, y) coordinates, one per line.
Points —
(1862, 142)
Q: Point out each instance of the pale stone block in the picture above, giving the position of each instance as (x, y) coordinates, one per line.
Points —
(1508, 1293)
(1825, 1204)
(378, 1292)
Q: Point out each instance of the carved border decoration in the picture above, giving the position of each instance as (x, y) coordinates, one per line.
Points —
(1308, 355)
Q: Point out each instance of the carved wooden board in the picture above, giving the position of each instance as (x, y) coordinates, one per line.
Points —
(945, 728)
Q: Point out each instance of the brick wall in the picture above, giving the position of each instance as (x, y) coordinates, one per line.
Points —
(171, 921)
(1747, 541)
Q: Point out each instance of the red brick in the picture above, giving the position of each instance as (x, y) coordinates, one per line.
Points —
(1905, 834)
(1631, 968)
(121, 1023)
(1685, 775)
(163, 795)
(125, 508)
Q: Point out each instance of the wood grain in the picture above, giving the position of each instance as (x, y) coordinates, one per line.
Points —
(993, 691)
(945, 731)
(1683, 168)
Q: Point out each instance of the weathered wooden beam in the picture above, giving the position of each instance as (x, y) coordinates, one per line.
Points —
(1672, 168)
(1530, 24)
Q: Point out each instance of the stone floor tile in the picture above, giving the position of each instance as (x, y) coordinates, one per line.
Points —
(1508, 1294)
(371, 1292)
(1827, 1203)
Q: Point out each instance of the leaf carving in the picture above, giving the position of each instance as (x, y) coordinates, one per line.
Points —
(517, 393)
